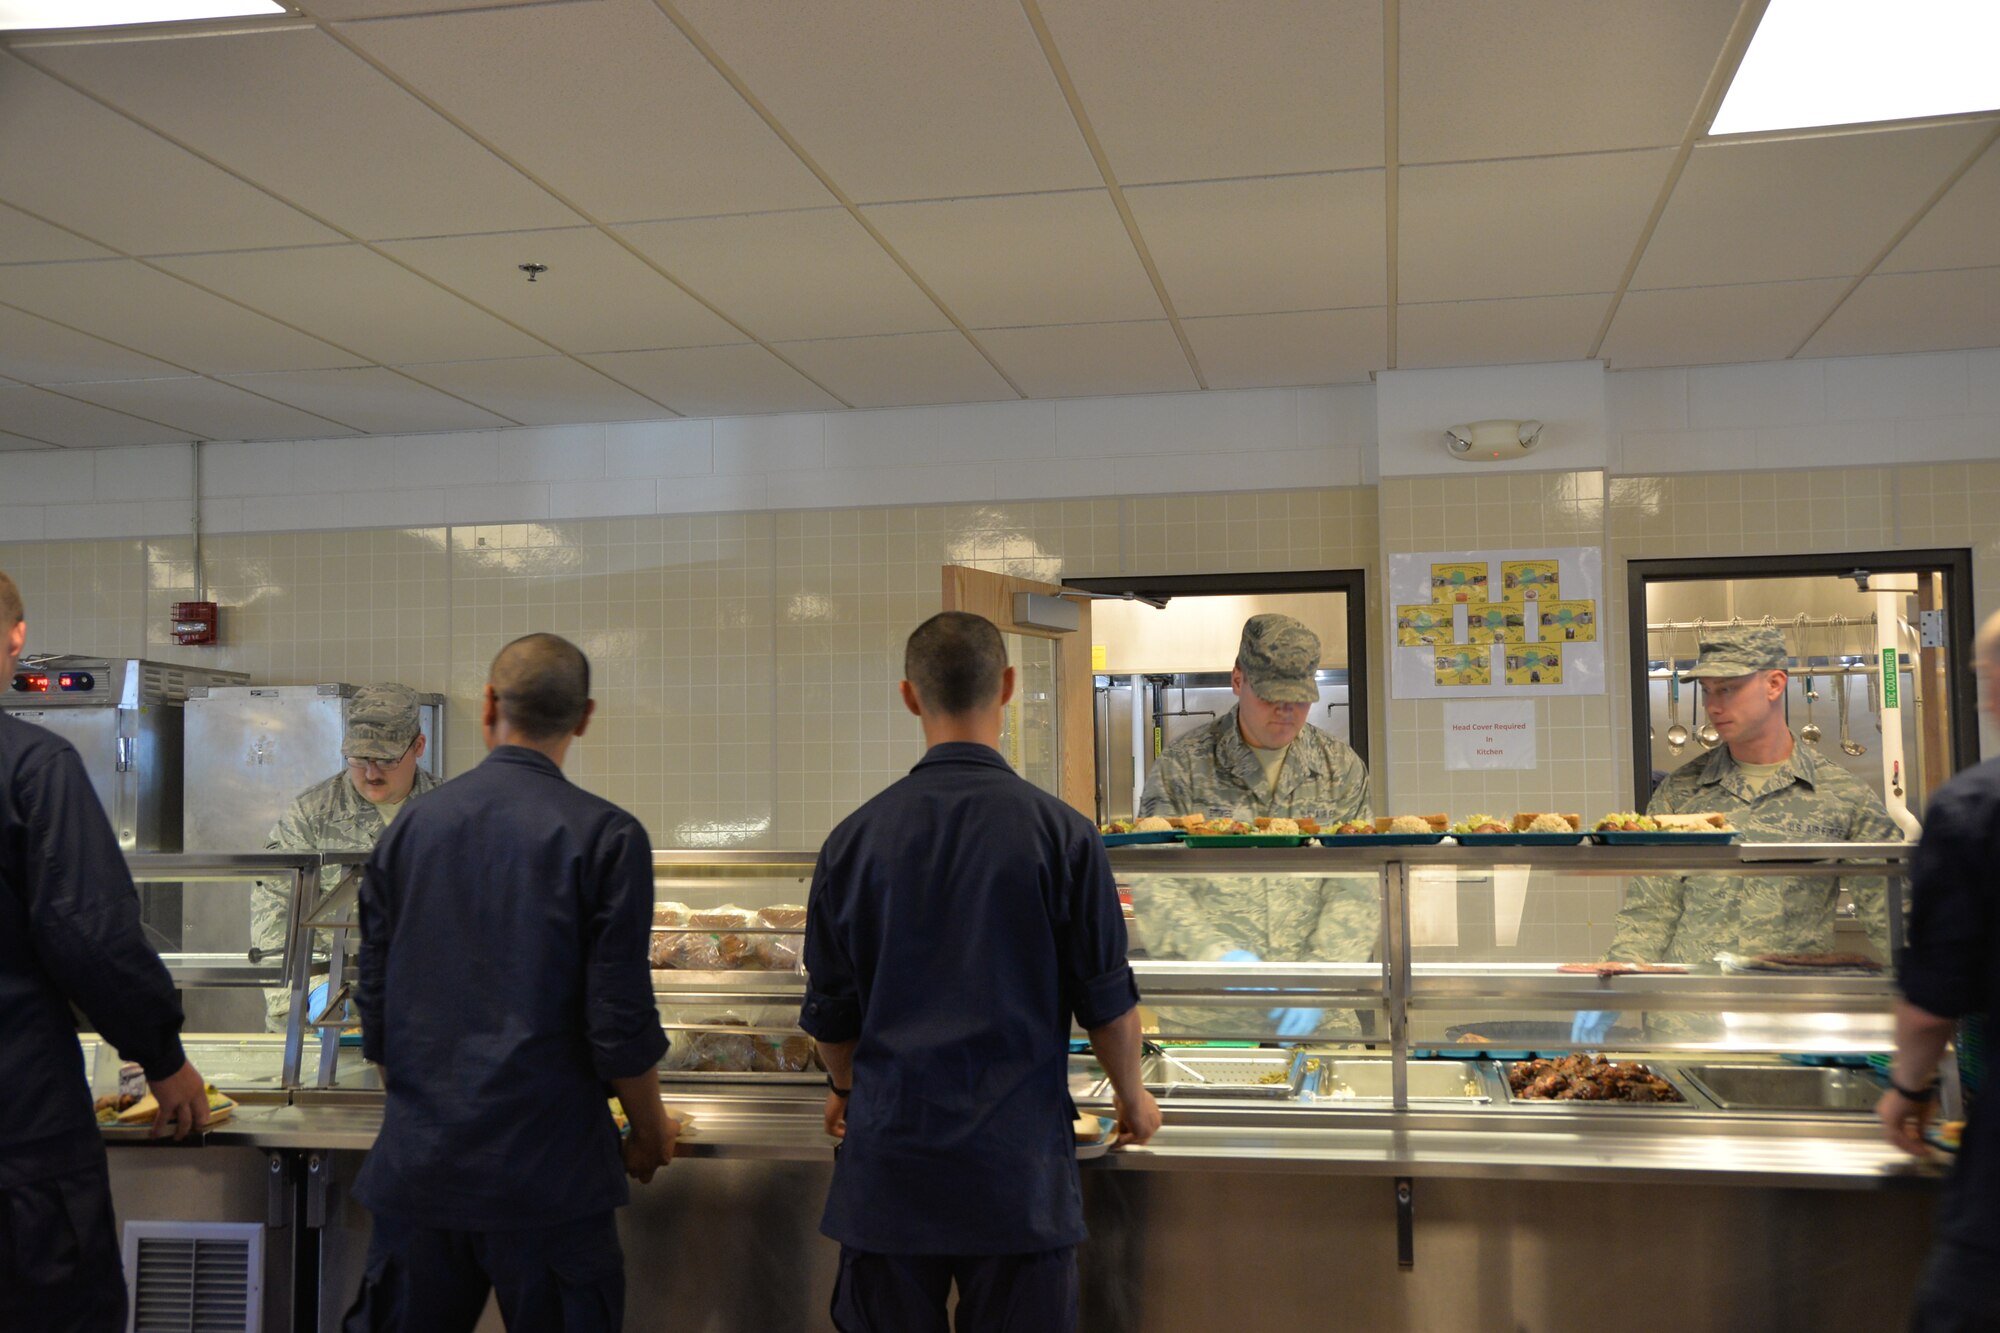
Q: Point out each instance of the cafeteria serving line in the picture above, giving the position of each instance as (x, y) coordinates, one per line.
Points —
(1547, 362)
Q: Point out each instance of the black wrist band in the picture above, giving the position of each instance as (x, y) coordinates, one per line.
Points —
(1915, 1095)
(835, 1090)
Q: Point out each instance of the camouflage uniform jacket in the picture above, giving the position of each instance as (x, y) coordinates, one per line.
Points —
(1692, 918)
(1278, 918)
(328, 816)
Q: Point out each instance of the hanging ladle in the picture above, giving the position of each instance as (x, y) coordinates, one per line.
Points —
(1810, 732)
(1848, 744)
(1677, 735)
(1706, 732)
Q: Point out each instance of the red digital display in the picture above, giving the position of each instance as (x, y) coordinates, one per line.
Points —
(31, 682)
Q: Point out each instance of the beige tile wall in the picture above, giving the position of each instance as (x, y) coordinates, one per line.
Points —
(745, 664)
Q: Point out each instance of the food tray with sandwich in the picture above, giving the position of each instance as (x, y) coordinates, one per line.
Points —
(1389, 831)
(1628, 828)
(128, 1117)
(1202, 831)
(1526, 830)
(1139, 832)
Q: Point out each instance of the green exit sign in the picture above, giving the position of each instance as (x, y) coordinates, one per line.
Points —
(1889, 678)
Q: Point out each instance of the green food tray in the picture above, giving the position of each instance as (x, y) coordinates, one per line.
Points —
(1135, 839)
(1380, 839)
(1247, 840)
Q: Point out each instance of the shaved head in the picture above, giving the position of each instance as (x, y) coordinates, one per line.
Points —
(542, 686)
(12, 612)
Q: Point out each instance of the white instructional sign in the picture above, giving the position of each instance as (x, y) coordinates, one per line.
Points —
(1490, 734)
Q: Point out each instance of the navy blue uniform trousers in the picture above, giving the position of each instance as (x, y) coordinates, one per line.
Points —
(560, 1279)
(59, 1261)
(997, 1293)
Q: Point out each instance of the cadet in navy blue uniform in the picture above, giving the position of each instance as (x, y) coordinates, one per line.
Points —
(504, 992)
(69, 934)
(1951, 968)
(956, 924)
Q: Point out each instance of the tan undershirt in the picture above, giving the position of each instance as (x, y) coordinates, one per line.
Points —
(388, 810)
(1756, 775)
(1273, 763)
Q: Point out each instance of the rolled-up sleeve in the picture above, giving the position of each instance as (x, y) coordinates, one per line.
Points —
(622, 1020)
(84, 912)
(832, 1009)
(1097, 976)
(1943, 968)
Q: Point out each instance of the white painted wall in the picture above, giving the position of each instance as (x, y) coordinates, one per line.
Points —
(1932, 407)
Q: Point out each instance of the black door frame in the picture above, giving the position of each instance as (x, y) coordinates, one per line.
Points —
(1961, 690)
(1353, 582)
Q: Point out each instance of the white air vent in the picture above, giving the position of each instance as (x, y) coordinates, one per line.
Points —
(195, 1277)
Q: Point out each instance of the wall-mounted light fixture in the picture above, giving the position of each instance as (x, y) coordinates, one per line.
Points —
(1492, 441)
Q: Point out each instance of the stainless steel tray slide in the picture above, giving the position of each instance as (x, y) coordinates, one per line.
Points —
(1231, 1075)
(1691, 1098)
(1760, 1087)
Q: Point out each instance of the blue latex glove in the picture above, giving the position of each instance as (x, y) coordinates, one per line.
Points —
(315, 1001)
(1592, 1026)
(1238, 956)
(1295, 1022)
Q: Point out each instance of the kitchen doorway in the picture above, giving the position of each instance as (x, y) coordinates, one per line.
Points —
(1880, 651)
(1162, 648)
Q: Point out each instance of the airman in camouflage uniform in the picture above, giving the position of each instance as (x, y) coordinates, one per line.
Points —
(1692, 918)
(1216, 772)
(348, 812)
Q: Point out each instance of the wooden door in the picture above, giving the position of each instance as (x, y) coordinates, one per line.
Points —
(1056, 662)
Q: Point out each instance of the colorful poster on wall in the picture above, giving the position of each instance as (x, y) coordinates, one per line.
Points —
(1463, 581)
(1534, 664)
(1423, 624)
(1455, 668)
(1549, 600)
(1568, 622)
(1530, 580)
(1496, 622)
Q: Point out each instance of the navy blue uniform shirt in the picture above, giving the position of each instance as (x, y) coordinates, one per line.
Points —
(69, 933)
(956, 924)
(503, 982)
(1951, 968)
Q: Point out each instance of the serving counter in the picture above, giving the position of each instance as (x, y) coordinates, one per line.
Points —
(1377, 1173)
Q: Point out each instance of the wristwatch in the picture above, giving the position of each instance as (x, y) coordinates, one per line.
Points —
(835, 1089)
(1913, 1094)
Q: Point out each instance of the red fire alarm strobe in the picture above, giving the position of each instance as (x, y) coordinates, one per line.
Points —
(194, 622)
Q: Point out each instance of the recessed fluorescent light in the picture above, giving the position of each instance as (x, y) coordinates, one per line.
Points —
(110, 13)
(1847, 62)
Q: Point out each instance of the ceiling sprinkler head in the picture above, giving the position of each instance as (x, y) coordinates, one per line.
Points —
(533, 270)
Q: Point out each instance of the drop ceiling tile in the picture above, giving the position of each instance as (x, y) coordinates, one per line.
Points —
(1797, 208)
(1077, 360)
(372, 399)
(790, 276)
(1199, 89)
(207, 409)
(1914, 312)
(70, 160)
(1961, 231)
(667, 136)
(1696, 326)
(900, 370)
(368, 9)
(743, 380)
(907, 99)
(39, 414)
(1555, 76)
(29, 240)
(1039, 259)
(12, 443)
(539, 390)
(1498, 333)
(1302, 347)
(1252, 247)
(162, 316)
(596, 296)
(1547, 227)
(356, 299)
(298, 113)
(34, 351)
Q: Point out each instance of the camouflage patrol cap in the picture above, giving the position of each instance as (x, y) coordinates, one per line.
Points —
(381, 722)
(1738, 650)
(1279, 656)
